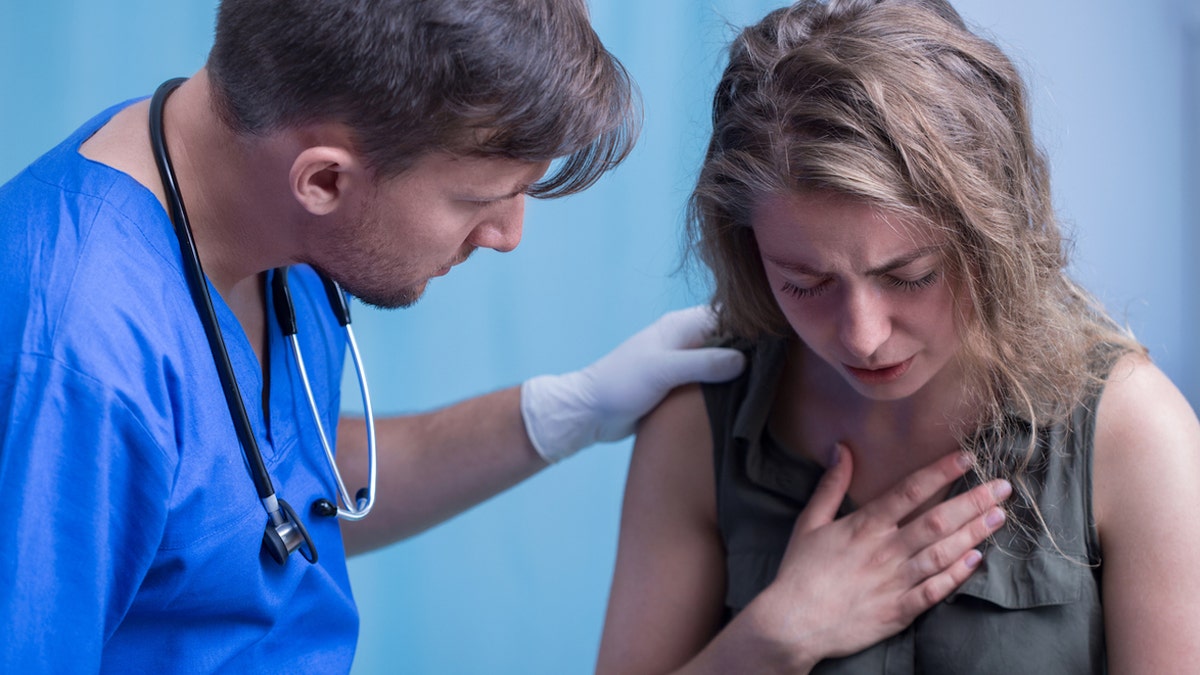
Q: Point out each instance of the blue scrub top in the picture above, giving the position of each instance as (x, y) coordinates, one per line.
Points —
(133, 531)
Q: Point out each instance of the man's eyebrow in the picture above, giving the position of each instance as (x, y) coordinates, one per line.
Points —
(516, 192)
(891, 265)
(520, 189)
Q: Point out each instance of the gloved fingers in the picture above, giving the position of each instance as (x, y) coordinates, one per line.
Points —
(604, 400)
(707, 364)
(685, 328)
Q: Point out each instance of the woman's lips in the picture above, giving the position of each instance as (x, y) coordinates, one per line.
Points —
(880, 375)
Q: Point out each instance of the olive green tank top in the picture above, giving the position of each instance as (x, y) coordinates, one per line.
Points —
(1030, 608)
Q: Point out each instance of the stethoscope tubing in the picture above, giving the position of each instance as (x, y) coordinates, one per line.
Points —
(285, 531)
(356, 508)
(198, 286)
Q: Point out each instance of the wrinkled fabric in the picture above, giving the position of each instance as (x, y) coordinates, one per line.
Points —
(133, 531)
(1033, 606)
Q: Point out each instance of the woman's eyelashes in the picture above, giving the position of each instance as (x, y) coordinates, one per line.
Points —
(902, 283)
(914, 284)
(805, 291)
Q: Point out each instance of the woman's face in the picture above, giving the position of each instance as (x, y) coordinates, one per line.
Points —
(865, 290)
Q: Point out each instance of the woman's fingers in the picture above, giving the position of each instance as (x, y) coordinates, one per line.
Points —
(945, 565)
(970, 518)
(938, 587)
(963, 516)
(934, 552)
(829, 494)
(873, 572)
(916, 489)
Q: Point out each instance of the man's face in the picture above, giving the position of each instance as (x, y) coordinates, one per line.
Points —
(416, 226)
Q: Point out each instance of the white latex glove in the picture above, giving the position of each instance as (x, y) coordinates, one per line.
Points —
(603, 402)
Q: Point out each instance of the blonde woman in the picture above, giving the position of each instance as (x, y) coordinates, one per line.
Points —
(879, 226)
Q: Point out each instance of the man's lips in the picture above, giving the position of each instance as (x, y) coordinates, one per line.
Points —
(445, 270)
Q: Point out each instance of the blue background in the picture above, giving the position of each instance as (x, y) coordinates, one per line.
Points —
(519, 584)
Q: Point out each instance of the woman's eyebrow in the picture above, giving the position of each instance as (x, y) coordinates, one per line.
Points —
(795, 267)
(889, 266)
(902, 261)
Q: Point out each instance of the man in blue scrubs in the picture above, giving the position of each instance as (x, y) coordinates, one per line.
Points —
(380, 142)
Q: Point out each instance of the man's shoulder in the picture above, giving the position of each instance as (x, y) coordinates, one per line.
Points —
(89, 267)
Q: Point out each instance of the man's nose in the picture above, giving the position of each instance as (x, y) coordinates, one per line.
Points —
(502, 229)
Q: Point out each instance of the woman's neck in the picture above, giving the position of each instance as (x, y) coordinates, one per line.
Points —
(815, 408)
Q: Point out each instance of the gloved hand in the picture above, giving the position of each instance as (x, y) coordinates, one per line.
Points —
(603, 402)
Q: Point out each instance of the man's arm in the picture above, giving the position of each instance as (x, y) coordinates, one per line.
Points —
(435, 465)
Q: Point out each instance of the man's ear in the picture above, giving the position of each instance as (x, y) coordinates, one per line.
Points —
(322, 176)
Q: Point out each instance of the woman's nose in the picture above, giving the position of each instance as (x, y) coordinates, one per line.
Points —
(865, 323)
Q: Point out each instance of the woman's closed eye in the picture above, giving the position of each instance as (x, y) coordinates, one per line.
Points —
(805, 291)
(816, 288)
(914, 284)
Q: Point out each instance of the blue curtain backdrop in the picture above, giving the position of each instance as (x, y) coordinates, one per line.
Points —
(519, 584)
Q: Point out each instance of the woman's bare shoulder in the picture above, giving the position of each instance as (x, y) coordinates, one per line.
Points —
(674, 450)
(1147, 435)
(1140, 400)
(678, 424)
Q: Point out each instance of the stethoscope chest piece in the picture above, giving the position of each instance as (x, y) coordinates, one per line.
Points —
(279, 540)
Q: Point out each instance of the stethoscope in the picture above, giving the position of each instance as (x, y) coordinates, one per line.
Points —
(285, 532)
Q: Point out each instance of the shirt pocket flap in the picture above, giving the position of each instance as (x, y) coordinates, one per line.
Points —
(1038, 579)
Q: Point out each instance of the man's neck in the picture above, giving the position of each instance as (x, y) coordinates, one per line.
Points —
(226, 181)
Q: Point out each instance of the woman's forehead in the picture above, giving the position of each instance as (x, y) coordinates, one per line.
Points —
(832, 217)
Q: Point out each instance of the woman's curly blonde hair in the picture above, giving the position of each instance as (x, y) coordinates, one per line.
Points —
(897, 103)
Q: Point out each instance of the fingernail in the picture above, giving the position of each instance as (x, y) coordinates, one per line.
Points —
(972, 560)
(964, 461)
(1002, 489)
(836, 455)
(995, 517)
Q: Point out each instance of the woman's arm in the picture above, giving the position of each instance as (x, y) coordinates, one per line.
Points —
(666, 597)
(1146, 502)
(843, 584)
